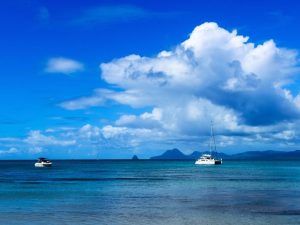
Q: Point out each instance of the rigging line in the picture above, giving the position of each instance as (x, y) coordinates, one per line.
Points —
(213, 136)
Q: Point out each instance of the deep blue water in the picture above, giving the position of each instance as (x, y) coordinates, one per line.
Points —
(150, 192)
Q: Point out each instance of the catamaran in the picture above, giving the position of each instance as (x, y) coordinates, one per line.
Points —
(208, 159)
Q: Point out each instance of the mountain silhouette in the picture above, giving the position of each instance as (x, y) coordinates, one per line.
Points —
(176, 154)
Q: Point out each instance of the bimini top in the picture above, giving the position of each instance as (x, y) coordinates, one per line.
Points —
(43, 160)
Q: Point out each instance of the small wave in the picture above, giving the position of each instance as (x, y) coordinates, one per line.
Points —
(108, 179)
(283, 213)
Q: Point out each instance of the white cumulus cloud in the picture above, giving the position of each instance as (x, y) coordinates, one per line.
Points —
(11, 150)
(63, 65)
(213, 70)
(36, 138)
(214, 74)
(99, 98)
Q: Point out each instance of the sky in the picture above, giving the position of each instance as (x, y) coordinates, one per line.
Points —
(110, 79)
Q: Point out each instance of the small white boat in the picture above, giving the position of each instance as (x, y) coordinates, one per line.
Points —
(43, 162)
(208, 159)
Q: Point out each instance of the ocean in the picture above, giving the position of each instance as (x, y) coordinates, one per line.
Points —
(130, 192)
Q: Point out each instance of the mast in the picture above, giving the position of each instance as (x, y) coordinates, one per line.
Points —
(212, 139)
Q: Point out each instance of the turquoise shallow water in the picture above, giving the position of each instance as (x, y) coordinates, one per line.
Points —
(150, 192)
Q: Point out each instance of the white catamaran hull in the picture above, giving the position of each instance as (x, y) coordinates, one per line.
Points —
(208, 162)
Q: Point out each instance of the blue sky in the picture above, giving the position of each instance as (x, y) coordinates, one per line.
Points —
(111, 79)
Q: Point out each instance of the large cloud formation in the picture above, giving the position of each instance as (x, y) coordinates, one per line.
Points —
(214, 74)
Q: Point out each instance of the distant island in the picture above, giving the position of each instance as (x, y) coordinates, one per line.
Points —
(135, 157)
(175, 154)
